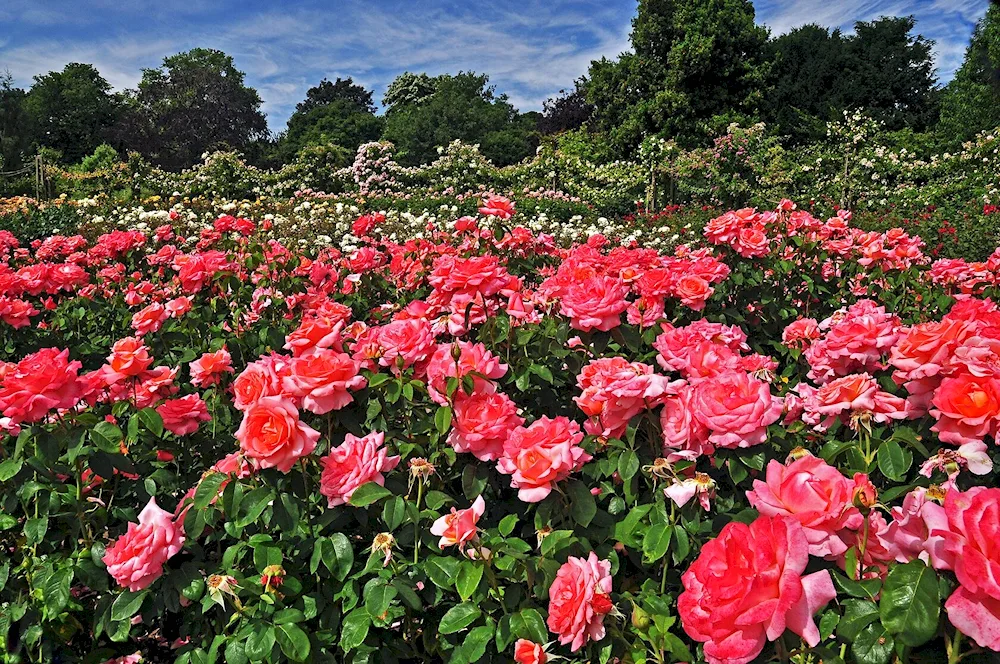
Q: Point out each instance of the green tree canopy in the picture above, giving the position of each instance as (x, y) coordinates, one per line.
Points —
(409, 89)
(692, 60)
(196, 101)
(343, 89)
(971, 102)
(71, 110)
(15, 129)
(462, 107)
(340, 113)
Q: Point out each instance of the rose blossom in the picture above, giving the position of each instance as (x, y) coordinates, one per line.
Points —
(471, 358)
(911, 528)
(322, 378)
(459, 527)
(746, 587)
(209, 368)
(594, 303)
(814, 493)
(129, 357)
(272, 436)
(538, 456)
(353, 463)
(39, 384)
(182, 416)
(262, 378)
(481, 424)
(136, 558)
(971, 540)
(529, 652)
(149, 319)
(735, 408)
(405, 342)
(578, 600)
(966, 408)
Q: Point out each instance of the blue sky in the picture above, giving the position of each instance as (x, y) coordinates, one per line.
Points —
(530, 48)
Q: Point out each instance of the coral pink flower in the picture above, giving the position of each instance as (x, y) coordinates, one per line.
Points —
(129, 358)
(973, 542)
(746, 588)
(459, 527)
(182, 416)
(911, 528)
(209, 368)
(538, 456)
(481, 424)
(149, 319)
(262, 378)
(354, 462)
(596, 303)
(693, 291)
(405, 342)
(579, 600)
(272, 436)
(529, 652)
(966, 408)
(136, 558)
(178, 306)
(497, 206)
(735, 408)
(800, 333)
(470, 358)
(40, 383)
(322, 378)
(814, 493)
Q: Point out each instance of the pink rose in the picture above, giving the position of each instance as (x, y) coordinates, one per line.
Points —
(911, 528)
(182, 416)
(814, 493)
(967, 408)
(735, 408)
(579, 600)
(594, 303)
(272, 436)
(481, 424)
(404, 343)
(149, 319)
(322, 378)
(529, 652)
(973, 541)
(538, 456)
(459, 527)
(471, 358)
(210, 367)
(746, 588)
(40, 383)
(136, 558)
(354, 462)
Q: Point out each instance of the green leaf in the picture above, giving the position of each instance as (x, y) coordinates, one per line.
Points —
(873, 646)
(656, 541)
(57, 588)
(235, 651)
(858, 614)
(259, 643)
(507, 524)
(377, 600)
(35, 529)
(10, 468)
(393, 512)
(458, 618)
(528, 624)
(293, 641)
(582, 506)
(107, 436)
(354, 629)
(442, 419)
(474, 646)
(442, 571)
(628, 465)
(152, 421)
(368, 493)
(127, 604)
(208, 489)
(253, 505)
(338, 557)
(893, 460)
(469, 576)
(909, 605)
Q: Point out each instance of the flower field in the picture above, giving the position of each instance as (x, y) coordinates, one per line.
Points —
(464, 437)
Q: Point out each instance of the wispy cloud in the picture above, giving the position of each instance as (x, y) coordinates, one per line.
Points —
(530, 48)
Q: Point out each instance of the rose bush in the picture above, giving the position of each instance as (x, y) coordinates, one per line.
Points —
(482, 445)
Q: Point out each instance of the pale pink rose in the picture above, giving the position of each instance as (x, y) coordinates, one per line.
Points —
(972, 456)
(459, 527)
(136, 558)
(182, 416)
(354, 462)
(855, 341)
(481, 424)
(579, 598)
(735, 408)
(911, 528)
(272, 436)
(538, 456)
(815, 494)
(323, 379)
(682, 431)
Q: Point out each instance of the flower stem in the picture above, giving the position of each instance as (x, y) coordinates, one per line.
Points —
(416, 523)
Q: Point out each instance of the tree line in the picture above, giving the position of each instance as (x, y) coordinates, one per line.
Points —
(695, 66)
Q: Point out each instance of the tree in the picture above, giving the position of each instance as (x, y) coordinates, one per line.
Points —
(71, 110)
(569, 110)
(15, 128)
(195, 102)
(409, 89)
(462, 107)
(346, 90)
(889, 73)
(692, 60)
(971, 102)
